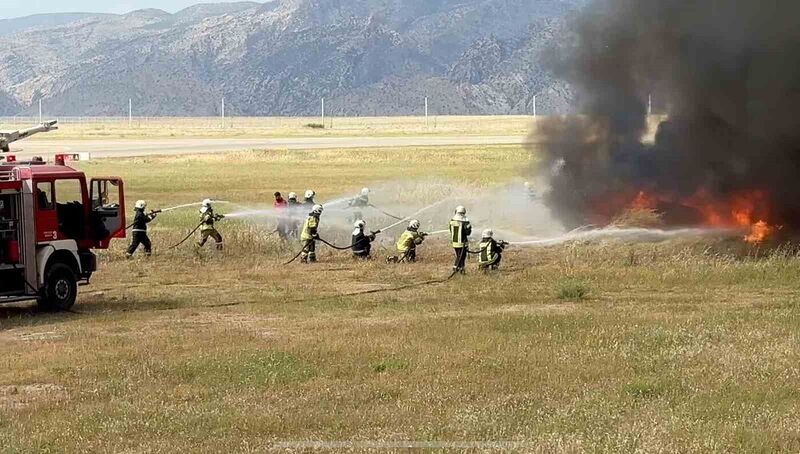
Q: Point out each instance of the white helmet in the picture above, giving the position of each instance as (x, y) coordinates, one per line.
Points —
(414, 224)
(488, 233)
(207, 202)
(527, 185)
(292, 196)
(360, 224)
(365, 191)
(461, 210)
(310, 194)
(317, 209)
(141, 205)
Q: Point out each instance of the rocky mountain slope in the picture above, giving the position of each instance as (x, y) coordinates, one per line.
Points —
(365, 57)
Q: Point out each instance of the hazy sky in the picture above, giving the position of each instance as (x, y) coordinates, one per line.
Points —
(18, 8)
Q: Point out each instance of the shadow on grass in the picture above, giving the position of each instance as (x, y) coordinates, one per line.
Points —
(29, 314)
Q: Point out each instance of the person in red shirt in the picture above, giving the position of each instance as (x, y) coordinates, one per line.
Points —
(280, 209)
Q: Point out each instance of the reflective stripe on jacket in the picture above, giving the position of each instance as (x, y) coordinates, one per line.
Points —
(487, 253)
(460, 230)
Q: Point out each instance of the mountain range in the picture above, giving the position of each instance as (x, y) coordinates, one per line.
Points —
(365, 57)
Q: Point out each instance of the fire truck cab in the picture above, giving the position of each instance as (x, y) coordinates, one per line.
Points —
(51, 219)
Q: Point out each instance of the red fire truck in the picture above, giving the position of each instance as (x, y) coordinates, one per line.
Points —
(51, 219)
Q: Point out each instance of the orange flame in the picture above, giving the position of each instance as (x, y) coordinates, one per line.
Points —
(739, 210)
(759, 232)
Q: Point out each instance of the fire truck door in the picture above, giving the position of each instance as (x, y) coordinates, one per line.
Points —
(46, 215)
(108, 212)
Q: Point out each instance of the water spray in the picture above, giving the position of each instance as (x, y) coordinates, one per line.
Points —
(621, 233)
(411, 216)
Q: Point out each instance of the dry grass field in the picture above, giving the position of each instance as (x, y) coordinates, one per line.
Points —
(680, 346)
(258, 127)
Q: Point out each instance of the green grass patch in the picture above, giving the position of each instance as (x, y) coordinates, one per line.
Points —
(245, 369)
(388, 365)
(572, 290)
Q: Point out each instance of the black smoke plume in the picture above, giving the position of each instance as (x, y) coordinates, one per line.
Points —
(726, 74)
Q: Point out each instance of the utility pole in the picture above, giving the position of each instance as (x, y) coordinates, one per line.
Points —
(130, 112)
(322, 102)
(534, 105)
(649, 105)
(223, 113)
(426, 111)
(40, 110)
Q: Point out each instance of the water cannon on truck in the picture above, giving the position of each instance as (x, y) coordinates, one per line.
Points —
(51, 220)
(8, 137)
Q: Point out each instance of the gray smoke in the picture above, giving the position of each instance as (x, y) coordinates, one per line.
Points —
(726, 73)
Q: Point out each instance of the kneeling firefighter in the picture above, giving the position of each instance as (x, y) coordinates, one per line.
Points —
(309, 235)
(460, 230)
(362, 242)
(491, 251)
(407, 243)
(207, 228)
(139, 230)
(360, 202)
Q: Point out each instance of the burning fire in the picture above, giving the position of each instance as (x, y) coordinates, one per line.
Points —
(759, 232)
(749, 210)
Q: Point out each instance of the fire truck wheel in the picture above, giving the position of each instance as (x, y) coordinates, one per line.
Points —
(60, 288)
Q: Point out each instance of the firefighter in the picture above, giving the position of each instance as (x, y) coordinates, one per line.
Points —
(491, 251)
(139, 230)
(309, 235)
(407, 244)
(293, 223)
(360, 202)
(281, 207)
(308, 200)
(362, 242)
(207, 229)
(460, 230)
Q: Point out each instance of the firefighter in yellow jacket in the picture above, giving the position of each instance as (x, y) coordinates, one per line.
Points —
(408, 242)
(460, 230)
(309, 235)
(491, 251)
(207, 228)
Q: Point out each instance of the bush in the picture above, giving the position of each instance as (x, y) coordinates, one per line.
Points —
(572, 290)
(315, 125)
(638, 218)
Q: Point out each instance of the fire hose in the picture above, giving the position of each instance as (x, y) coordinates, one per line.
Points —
(332, 246)
(303, 249)
(186, 237)
(153, 212)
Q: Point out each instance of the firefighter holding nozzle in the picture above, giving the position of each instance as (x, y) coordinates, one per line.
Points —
(139, 229)
(362, 241)
(407, 244)
(358, 204)
(491, 251)
(207, 228)
(309, 235)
